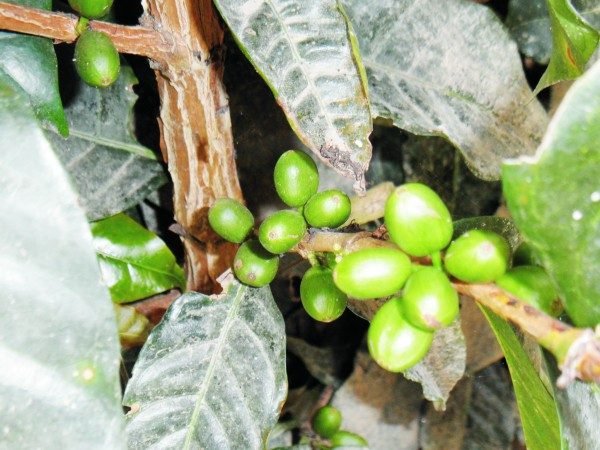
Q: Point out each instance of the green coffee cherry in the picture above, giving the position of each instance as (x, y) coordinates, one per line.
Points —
(347, 439)
(532, 285)
(92, 9)
(253, 265)
(429, 300)
(230, 219)
(372, 272)
(327, 209)
(478, 256)
(327, 421)
(393, 342)
(418, 220)
(321, 298)
(282, 230)
(296, 178)
(96, 59)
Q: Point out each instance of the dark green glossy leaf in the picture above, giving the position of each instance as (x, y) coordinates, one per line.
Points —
(110, 168)
(536, 405)
(211, 375)
(135, 263)
(450, 69)
(31, 62)
(529, 24)
(578, 410)
(501, 225)
(554, 199)
(307, 54)
(59, 352)
(573, 43)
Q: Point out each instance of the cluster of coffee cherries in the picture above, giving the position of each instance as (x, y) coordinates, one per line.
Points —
(412, 269)
(327, 422)
(96, 58)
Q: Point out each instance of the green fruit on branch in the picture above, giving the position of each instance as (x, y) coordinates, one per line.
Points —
(372, 272)
(417, 220)
(429, 300)
(327, 209)
(296, 178)
(327, 421)
(230, 219)
(92, 9)
(321, 298)
(478, 256)
(282, 230)
(394, 343)
(253, 265)
(345, 439)
(96, 59)
(532, 285)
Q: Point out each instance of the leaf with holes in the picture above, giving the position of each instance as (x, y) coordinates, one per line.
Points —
(554, 199)
(449, 68)
(135, 263)
(573, 43)
(31, 63)
(59, 353)
(307, 54)
(529, 23)
(110, 169)
(211, 375)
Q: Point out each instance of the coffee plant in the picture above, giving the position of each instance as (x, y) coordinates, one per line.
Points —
(269, 224)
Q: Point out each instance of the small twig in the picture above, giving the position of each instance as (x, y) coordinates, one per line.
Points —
(61, 27)
(371, 205)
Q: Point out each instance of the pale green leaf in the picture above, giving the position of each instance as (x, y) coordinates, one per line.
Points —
(111, 170)
(554, 199)
(59, 352)
(305, 53)
(449, 68)
(211, 375)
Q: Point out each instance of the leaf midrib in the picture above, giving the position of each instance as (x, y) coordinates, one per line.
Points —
(142, 266)
(201, 394)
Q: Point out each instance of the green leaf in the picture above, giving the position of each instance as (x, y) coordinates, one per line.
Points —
(133, 326)
(529, 23)
(573, 43)
(111, 170)
(135, 263)
(501, 225)
(450, 69)
(31, 62)
(536, 405)
(305, 52)
(554, 199)
(578, 410)
(211, 375)
(59, 353)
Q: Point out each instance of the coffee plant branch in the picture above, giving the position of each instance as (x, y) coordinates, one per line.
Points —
(577, 350)
(184, 41)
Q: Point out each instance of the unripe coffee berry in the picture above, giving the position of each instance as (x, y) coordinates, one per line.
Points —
(91, 9)
(296, 178)
(327, 421)
(253, 265)
(96, 59)
(327, 209)
(230, 219)
(417, 220)
(532, 285)
(321, 298)
(282, 230)
(429, 301)
(372, 272)
(394, 343)
(478, 256)
(346, 439)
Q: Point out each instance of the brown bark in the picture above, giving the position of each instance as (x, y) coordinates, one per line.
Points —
(196, 133)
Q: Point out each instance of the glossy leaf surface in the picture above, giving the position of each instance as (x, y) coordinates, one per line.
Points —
(59, 352)
(211, 375)
(135, 263)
